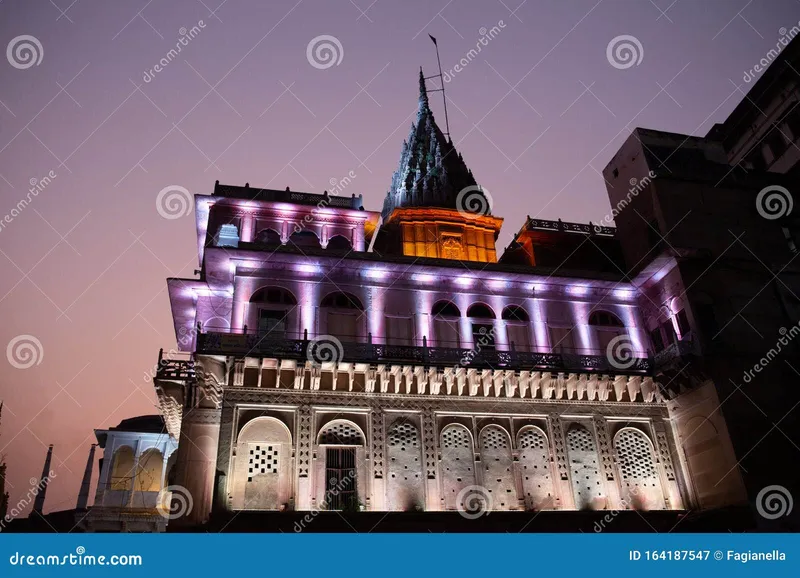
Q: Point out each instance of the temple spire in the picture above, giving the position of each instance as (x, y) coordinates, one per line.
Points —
(38, 504)
(431, 172)
(83, 496)
(424, 106)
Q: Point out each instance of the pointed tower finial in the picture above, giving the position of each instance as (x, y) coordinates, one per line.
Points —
(38, 504)
(423, 93)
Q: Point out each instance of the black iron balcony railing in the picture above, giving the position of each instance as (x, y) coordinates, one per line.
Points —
(177, 367)
(676, 351)
(364, 351)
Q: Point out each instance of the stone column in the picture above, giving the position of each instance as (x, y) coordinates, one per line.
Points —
(304, 486)
(197, 461)
(664, 450)
(561, 484)
(378, 497)
(432, 497)
(607, 469)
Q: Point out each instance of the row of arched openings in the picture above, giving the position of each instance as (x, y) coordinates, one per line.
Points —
(128, 475)
(639, 480)
(304, 239)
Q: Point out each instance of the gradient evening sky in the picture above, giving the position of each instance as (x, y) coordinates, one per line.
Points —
(537, 115)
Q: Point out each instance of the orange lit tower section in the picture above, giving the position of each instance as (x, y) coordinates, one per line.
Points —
(434, 207)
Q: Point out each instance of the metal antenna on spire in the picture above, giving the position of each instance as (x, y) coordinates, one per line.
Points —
(440, 76)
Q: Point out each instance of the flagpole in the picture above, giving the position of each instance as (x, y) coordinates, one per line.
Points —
(441, 77)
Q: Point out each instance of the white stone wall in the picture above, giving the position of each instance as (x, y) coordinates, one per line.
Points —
(587, 486)
(404, 478)
(496, 468)
(457, 464)
(535, 469)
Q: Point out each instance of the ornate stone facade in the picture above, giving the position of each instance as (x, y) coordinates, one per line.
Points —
(321, 375)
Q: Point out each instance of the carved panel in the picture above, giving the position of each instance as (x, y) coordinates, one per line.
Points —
(304, 440)
(606, 458)
(666, 455)
(557, 435)
(429, 443)
(377, 444)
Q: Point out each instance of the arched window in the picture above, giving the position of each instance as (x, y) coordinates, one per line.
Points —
(446, 324)
(122, 469)
(342, 300)
(457, 466)
(404, 486)
(534, 461)
(482, 332)
(148, 473)
(344, 316)
(480, 311)
(304, 239)
(515, 313)
(445, 309)
(496, 459)
(274, 295)
(339, 243)
(584, 469)
(517, 327)
(262, 478)
(341, 433)
(640, 483)
(609, 329)
(268, 237)
(273, 305)
(341, 465)
(605, 319)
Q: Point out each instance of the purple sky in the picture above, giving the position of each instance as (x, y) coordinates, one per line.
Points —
(537, 115)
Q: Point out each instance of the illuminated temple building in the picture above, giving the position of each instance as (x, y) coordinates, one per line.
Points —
(332, 357)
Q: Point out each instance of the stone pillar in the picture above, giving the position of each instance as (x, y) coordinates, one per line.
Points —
(304, 486)
(44, 481)
(248, 233)
(378, 497)
(607, 468)
(83, 495)
(561, 484)
(196, 463)
(664, 450)
(432, 497)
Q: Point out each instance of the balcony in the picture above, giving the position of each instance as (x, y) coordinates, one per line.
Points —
(175, 367)
(255, 345)
(677, 351)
